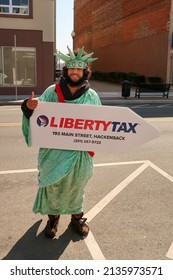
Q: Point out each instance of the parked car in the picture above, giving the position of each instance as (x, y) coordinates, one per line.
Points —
(58, 73)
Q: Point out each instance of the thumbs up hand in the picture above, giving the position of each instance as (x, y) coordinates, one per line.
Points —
(31, 102)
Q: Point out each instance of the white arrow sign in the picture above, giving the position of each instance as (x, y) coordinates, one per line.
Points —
(88, 127)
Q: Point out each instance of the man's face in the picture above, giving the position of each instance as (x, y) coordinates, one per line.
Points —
(75, 77)
(75, 74)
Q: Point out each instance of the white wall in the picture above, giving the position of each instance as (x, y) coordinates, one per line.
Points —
(43, 19)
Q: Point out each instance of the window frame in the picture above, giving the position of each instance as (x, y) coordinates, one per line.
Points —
(16, 15)
(15, 77)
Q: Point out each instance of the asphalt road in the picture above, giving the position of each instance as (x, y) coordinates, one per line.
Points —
(152, 110)
(128, 201)
(145, 110)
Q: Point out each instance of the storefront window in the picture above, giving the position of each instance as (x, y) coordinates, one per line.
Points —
(15, 7)
(18, 66)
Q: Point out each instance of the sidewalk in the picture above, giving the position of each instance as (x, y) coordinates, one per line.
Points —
(105, 90)
(113, 92)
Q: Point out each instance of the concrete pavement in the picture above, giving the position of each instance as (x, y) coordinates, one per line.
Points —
(106, 90)
(138, 185)
(113, 92)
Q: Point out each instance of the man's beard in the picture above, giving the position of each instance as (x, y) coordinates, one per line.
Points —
(75, 83)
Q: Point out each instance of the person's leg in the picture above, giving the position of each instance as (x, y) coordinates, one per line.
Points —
(52, 225)
(79, 223)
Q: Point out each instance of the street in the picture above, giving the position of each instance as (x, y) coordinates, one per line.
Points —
(147, 110)
(128, 201)
(153, 110)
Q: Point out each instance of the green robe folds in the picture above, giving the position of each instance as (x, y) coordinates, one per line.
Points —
(62, 174)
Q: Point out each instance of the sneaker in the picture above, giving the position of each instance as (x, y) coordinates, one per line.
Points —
(79, 224)
(52, 226)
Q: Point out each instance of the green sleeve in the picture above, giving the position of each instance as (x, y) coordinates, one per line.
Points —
(26, 130)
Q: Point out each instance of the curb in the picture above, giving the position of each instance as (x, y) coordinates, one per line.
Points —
(106, 101)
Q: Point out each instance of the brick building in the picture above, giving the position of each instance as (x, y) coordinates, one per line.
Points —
(128, 36)
(27, 46)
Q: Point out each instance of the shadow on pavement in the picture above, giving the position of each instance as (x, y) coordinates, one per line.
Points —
(32, 247)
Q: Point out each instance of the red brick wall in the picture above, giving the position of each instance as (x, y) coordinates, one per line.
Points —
(126, 35)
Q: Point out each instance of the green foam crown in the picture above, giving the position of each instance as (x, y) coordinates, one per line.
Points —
(78, 61)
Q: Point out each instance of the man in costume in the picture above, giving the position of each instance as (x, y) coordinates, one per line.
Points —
(63, 174)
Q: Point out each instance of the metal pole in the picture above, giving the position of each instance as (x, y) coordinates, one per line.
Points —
(15, 65)
(2, 65)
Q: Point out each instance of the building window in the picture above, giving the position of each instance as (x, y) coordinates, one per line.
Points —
(17, 67)
(15, 7)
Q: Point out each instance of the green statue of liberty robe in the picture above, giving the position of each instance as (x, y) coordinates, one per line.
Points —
(62, 174)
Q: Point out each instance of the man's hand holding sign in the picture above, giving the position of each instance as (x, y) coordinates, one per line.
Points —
(31, 102)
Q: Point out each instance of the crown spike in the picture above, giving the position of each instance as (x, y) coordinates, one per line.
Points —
(80, 53)
(86, 56)
(63, 57)
(91, 59)
(72, 56)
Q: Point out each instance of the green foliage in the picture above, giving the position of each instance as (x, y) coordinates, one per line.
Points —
(114, 77)
(131, 76)
(139, 79)
(118, 77)
(154, 80)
